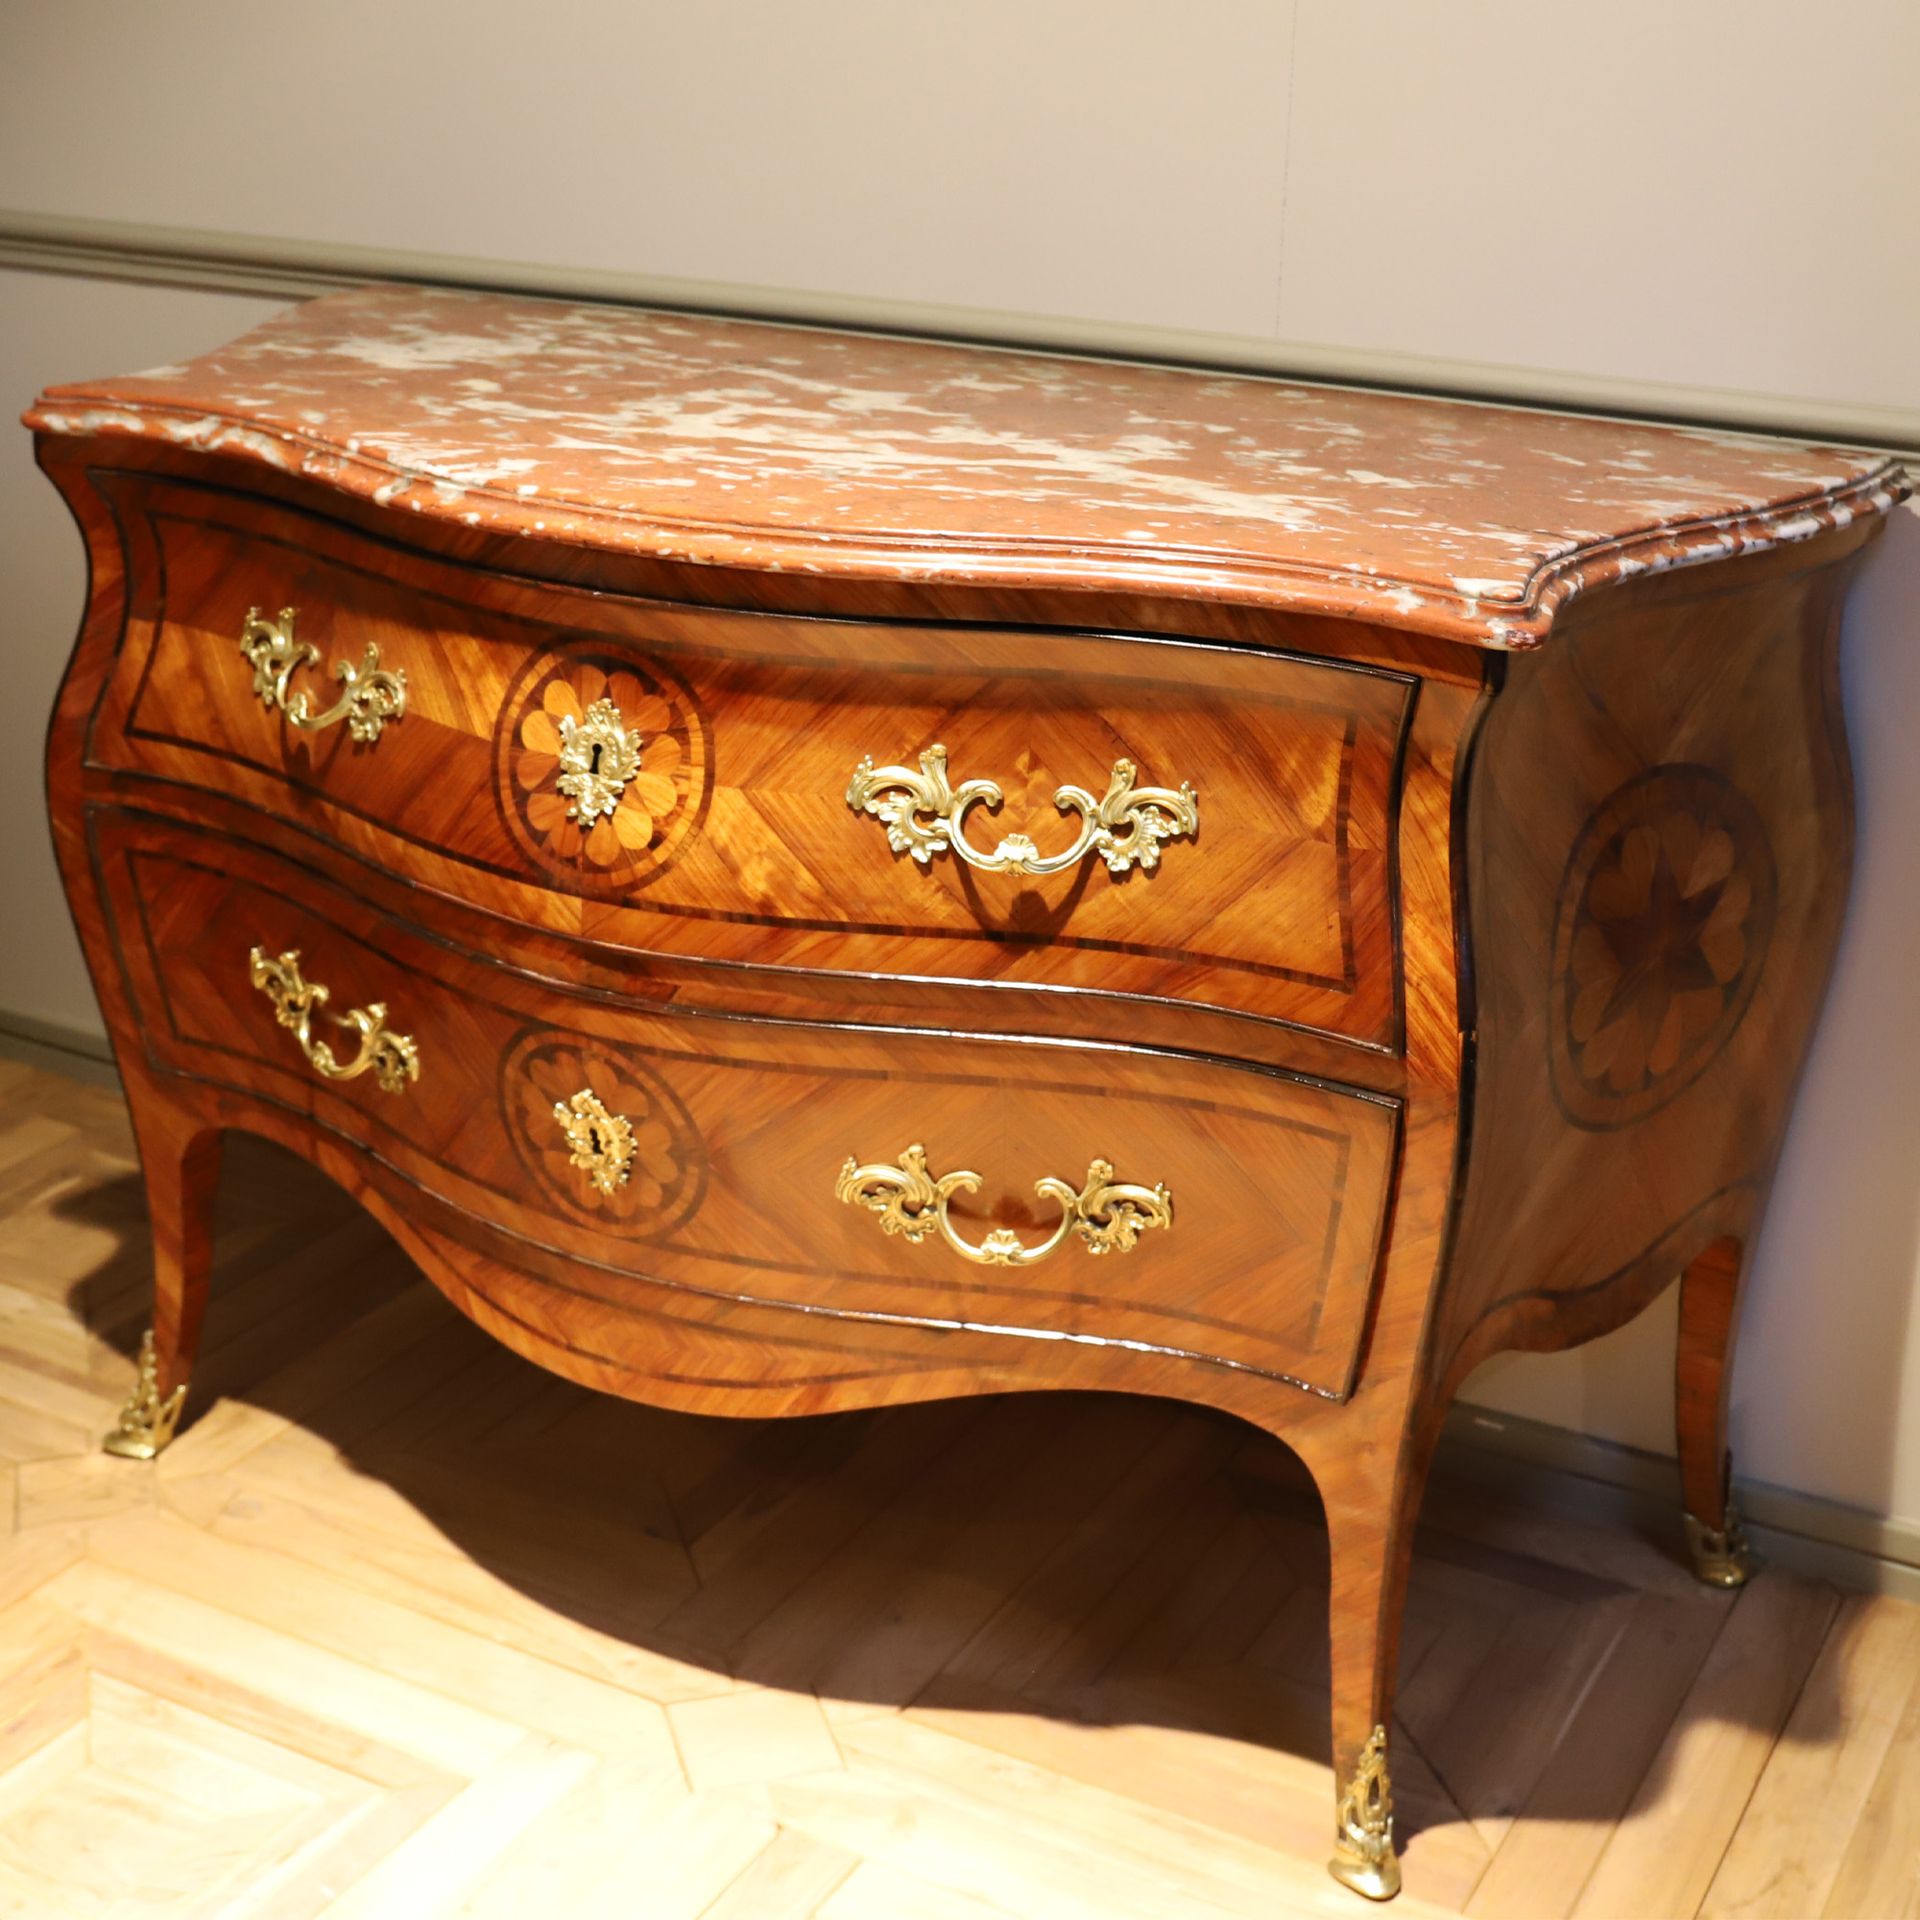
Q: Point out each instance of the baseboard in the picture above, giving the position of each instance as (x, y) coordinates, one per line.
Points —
(287, 268)
(1532, 1462)
(1527, 1461)
(78, 1052)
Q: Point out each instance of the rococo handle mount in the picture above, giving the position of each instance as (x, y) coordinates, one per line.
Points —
(1109, 1216)
(393, 1057)
(925, 814)
(370, 695)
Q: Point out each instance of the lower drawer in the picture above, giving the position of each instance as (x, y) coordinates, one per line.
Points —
(1231, 1214)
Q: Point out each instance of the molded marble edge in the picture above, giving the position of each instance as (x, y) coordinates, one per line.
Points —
(1181, 571)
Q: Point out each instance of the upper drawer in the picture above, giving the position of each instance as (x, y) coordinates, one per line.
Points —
(689, 781)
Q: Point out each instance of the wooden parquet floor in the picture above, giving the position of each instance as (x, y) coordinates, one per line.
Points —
(401, 1626)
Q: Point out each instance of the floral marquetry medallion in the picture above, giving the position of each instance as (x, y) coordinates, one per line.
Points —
(601, 1135)
(1663, 923)
(601, 766)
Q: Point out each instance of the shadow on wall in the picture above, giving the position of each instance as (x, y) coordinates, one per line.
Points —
(1830, 1342)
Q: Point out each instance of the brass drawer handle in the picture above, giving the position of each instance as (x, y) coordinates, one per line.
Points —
(924, 814)
(370, 694)
(601, 1141)
(1108, 1216)
(393, 1057)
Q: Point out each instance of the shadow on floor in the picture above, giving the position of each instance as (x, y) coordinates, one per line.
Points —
(1090, 1559)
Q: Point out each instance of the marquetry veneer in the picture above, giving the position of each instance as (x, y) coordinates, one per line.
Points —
(736, 842)
(1412, 846)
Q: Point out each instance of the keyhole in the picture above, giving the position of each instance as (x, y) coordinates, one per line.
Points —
(593, 765)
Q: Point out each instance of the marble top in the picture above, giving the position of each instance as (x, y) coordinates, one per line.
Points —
(732, 442)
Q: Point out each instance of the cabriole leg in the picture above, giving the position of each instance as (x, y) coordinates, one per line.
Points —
(180, 1164)
(1703, 1372)
(1371, 1539)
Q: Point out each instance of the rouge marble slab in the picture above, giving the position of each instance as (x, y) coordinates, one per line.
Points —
(710, 440)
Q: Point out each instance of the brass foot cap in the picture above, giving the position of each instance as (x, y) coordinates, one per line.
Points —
(147, 1421)
(1375, 1879)
(1724, 1558)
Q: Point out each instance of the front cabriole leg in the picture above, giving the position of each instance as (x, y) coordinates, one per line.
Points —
(1368, 1591)
(1371, 1491)
(180, 1164)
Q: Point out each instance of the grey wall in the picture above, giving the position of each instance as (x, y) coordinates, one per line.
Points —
(55, 328)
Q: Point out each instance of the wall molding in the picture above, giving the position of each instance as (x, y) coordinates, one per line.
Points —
(82, 1052)
(297, 269)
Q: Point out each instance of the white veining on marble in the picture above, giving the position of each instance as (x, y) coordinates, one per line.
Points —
(710, 439)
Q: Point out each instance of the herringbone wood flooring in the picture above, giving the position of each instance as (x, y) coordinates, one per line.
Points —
(401, 1626)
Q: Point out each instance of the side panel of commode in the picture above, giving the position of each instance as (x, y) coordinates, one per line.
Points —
(1660, 824)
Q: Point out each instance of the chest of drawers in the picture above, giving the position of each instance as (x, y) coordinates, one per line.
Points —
(795, 871)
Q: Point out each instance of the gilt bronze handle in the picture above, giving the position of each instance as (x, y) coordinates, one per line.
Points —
(370, 694)
(394, 1058)
(1108, 1216)
(925, 814)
